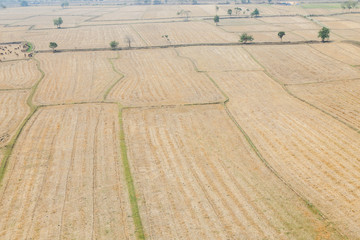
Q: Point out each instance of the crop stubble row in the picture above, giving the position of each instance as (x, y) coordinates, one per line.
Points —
(65, 177)
(197, 181)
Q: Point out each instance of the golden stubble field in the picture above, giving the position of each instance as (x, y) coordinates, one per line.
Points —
(206, 142)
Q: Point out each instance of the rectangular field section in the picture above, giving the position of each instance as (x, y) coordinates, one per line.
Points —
(75, 77)
(196, 177)
(65, 178)
(341, 99)
(18, 74)
(160, 77)
(296, 64)
(316, 154)
(13, 110)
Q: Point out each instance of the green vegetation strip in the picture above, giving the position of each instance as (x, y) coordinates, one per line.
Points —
(10, 146)
(129, 181)
(117, 81)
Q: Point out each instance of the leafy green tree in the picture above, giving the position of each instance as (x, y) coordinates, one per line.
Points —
(58, 22)
(237, 10)
(255, 13)
(269, 1)
(244, 38)
(324, 33)
(216, 19)
(281, 35)
(113, 44)
(229, 11)
(64, 4)
(53, 45)
(216, 9)
(24, 4)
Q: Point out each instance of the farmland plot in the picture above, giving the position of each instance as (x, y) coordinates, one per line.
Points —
(341, 99)
(343, 52)
(301, 64)
(317, 155)
(183, 32)
(13, 112)
(84, 37)
(74, 77)
(65, 178)
(208, 58)
(197, 181)
(160, 77)
(18, 74)
(47, 21)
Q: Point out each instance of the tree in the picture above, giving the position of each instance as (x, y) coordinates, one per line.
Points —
(128, 39)
(184, 13)
(58, 22)
(255, 13)
(229, 11)
(216, 9)
(281, 34)
(237, 10)
(167, 38)
(244, 38)
(53, 45)
(269, 1)
(65, 4)
(113, 44)
(2, 6)
(216, 19)
(24, 4)
(324, 33)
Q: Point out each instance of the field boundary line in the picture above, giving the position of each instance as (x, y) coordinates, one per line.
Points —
(206, 74)
(139, 231)
(182, 45)
(117, 72)
(334, 59)
(300, 99)
(7, 150)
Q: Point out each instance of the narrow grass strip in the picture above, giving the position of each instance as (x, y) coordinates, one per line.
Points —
(117, 81)
(139, 232)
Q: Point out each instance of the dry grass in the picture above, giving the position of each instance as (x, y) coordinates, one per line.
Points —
(64, 178)
(74, 77)
(160, 77)
(197, 181)
(18, 74)
(314, 153)
(13, 112)
(299, 64)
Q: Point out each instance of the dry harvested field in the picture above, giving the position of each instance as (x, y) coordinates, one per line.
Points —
(314, 153)
(18, 74)
(344, 52)
(160, 77)
(341, 99)
(297, 64)
(85, 37)
(75, 77)
(197, 181)
(209, 58)
(13, 111)
(40, 22)
(183, 32)
(65, 178)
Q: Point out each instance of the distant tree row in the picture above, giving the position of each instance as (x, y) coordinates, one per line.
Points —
(349, 4)
(127, 39)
